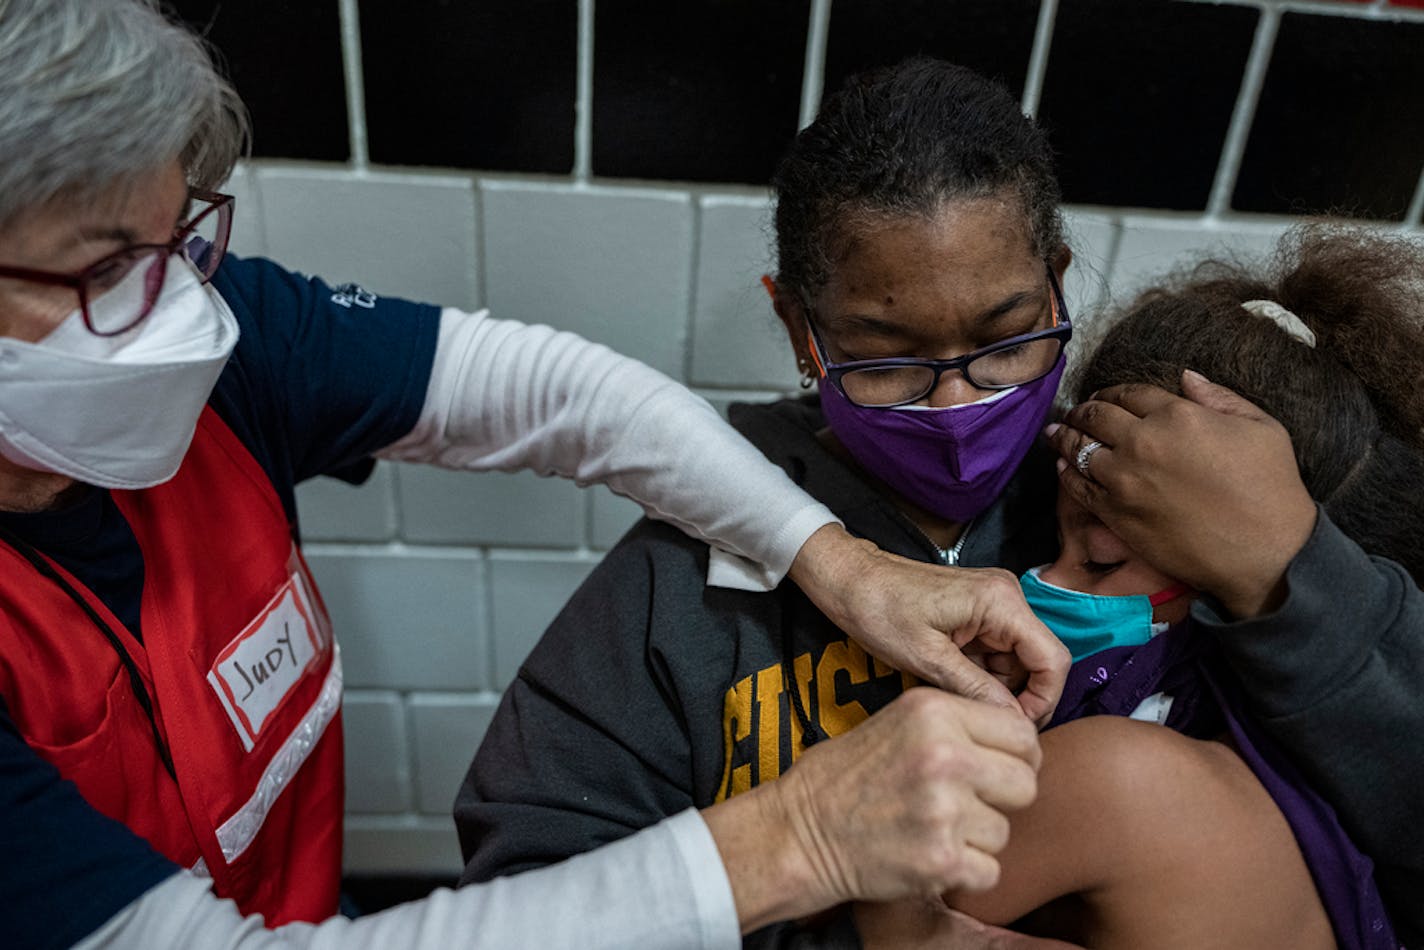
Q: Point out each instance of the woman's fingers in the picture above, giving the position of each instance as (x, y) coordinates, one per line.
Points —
(918, 616)
(1102, 420)
(1204, 392)
(1138, 399)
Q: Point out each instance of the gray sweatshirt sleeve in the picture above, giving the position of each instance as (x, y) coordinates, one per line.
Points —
(661, 888)
(1337, 677)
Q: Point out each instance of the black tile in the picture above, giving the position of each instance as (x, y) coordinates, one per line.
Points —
(1138, 97)
(471, 85)
(367, 893)
(992, 37)
(1339, 126)
(285, 60)
(696, 90)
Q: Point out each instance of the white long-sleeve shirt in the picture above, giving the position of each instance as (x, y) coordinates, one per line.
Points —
(507, 396)
(661, 889)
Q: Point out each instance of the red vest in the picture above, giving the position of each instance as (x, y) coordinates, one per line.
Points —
(239, 660)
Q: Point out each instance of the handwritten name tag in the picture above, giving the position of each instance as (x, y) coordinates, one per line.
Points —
(261, 667)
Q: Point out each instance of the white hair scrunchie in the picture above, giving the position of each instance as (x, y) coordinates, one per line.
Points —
(1294, 326)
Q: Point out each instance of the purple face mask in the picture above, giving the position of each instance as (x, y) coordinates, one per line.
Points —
(954, 461)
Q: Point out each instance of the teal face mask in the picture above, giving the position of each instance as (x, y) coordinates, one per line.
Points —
(1087, 623)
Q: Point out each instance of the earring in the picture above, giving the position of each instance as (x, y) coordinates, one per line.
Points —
(807, 376)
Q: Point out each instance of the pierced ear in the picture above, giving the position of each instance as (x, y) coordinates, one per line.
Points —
(807, 370)
(793, 319)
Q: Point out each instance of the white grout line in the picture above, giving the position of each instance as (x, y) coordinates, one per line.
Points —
(813, 77)
(1258, 61)
(479, 265)
(1038, 57)
(1375, 10)
(689, 335)
(1414, 217)
(486, 610)
(583, 96)
(355, 85)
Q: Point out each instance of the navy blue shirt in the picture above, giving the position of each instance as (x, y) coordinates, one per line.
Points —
(321, 377)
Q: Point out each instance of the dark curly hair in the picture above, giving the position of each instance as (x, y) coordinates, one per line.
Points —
(1353, 403)
(901, 141)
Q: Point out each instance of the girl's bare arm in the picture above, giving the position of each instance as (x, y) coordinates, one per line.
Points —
(1154, 839)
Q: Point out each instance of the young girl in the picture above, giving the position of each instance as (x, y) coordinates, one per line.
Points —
(1213, 837)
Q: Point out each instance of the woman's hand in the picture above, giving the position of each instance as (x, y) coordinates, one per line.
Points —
(910, 803)
(1204, 486)
(921, 618)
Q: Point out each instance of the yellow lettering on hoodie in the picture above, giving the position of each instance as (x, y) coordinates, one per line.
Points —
(841, 657)
(768, 704)
(736, 726)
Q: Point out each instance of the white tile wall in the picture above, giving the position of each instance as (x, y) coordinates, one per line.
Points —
(333, 510)
(1151, 246)
(611, 264)
(246, 237)
(374, 730)
(737, 338)
(1093, 239)
(404, 235)
(518, 509)
(407, 619)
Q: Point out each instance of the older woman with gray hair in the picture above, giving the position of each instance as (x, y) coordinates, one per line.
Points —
(170, 686)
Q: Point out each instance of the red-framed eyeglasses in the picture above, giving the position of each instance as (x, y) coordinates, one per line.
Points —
(202, 240)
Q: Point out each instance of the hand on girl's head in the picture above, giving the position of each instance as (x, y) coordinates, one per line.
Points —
(1203, 485)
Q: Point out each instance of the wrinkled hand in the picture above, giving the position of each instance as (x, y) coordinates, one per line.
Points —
(908, 804)
(922, 617)
(912, 924)
(1204, 486)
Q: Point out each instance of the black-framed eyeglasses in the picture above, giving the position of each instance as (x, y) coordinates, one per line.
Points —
(901, 380)
(202, 240)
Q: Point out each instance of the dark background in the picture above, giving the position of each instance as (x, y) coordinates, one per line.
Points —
(1137, 97)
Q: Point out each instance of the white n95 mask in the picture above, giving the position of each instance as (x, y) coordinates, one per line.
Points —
(117, 412)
